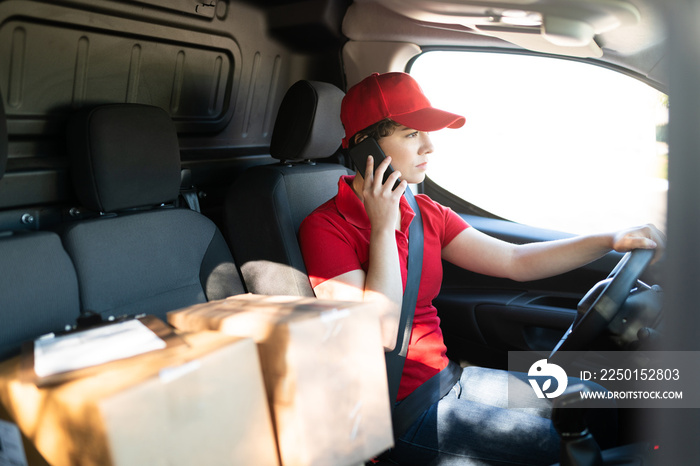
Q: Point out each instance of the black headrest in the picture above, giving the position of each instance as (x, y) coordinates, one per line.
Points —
(308, 122)
(124, 156)
(3, 139)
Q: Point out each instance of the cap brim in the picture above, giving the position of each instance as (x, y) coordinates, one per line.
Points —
(429, 119)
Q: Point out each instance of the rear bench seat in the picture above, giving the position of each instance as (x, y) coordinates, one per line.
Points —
(38, 284)
(141, 254)
(137, 254)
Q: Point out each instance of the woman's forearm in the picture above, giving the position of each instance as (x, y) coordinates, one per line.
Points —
(383, 283)
(534, 261)
(475, 251)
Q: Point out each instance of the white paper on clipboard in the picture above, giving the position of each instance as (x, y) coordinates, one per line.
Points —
(87, 348)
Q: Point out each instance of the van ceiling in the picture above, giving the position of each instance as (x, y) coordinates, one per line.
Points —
(637, 46)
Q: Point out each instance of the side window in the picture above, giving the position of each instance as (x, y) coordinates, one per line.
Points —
(548, 142)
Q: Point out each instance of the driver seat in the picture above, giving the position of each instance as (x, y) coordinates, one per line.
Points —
(266, 205)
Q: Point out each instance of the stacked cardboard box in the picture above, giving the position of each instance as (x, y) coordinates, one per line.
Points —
(324, 370)
(201, 402)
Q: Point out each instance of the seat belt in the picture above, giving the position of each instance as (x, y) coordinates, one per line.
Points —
(410, 409)
(407, 412)
(188, 191)
(395, 359)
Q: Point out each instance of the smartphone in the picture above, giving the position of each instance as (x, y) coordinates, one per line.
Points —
(360, 152)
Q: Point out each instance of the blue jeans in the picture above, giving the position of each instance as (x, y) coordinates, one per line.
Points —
(472, 425)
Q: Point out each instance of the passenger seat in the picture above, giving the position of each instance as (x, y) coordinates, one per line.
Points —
(39, 287)
(141, 254)
(266, 205)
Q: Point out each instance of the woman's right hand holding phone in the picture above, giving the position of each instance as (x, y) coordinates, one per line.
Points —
(381, 201)
(382, 282)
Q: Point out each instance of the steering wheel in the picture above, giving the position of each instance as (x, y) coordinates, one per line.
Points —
(604, 301)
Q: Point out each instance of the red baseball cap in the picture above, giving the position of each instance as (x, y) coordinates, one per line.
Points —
(396, 96)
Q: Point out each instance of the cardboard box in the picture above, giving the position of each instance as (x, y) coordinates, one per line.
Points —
(324, 370)
(202, 402)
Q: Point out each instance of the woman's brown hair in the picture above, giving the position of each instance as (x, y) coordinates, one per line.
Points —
(381, 129)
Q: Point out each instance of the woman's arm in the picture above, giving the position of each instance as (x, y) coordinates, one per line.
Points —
(475, 251)
(382, 283)
(354, 286)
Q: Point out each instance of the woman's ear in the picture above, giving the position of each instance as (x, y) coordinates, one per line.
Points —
(360, 137)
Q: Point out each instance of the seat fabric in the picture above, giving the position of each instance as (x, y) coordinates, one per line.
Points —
(139, 259)
(266, 205)
(38, 289)
(123, 270)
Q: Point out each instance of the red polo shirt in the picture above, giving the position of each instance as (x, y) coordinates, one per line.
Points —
(335, 240)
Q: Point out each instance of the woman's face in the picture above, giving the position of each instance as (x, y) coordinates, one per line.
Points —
(409, 151)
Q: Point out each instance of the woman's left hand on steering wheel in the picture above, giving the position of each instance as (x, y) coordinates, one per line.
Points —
(642, 237)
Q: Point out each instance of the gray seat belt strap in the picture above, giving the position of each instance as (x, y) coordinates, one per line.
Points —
(432, 390)
(188, 191)
(395, 359)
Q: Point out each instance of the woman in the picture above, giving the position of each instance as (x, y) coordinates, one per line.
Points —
(355, 248)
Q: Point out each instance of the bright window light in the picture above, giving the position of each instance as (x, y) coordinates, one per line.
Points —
(548, 142)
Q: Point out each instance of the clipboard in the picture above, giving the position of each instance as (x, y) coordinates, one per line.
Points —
(28, 374)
